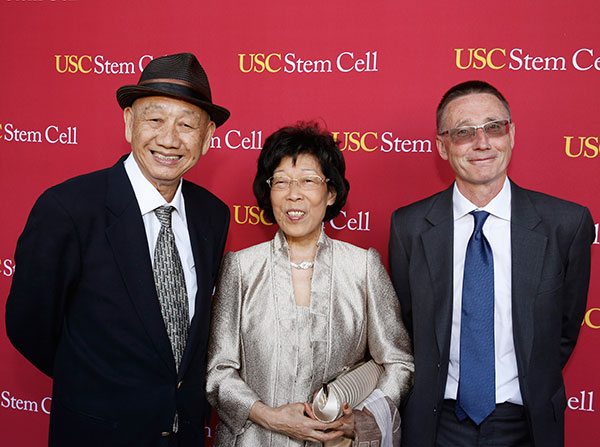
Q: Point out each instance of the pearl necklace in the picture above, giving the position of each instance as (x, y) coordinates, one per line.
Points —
(304, 265)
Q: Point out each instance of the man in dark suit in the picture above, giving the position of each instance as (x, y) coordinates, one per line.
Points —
(493, 281)
(116, 269)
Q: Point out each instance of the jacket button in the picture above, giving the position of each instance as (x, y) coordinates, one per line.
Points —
(434, 410)
(179, 384)
(164, 434)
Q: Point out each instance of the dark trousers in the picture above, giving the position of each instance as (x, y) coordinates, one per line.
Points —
(505, 427)
(172, 440)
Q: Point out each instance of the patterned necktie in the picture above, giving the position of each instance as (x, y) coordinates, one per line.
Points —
(170, 284)
(477, 382)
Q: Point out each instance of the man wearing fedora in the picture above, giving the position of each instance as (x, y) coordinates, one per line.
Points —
(116, 268)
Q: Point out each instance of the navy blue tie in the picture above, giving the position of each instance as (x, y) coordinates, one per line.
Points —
(477, 382)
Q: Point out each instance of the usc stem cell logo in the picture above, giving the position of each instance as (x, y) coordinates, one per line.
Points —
(479, 58)
(517, 59)
(85, 64)
(259, 62)
(253, 215)
(355, 141)
(345, 62)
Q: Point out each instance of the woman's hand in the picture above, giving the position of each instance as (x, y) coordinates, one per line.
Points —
(346, 421)
(292, 420)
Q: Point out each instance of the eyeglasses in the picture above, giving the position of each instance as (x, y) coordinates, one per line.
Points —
(465, 134)
(307, 182)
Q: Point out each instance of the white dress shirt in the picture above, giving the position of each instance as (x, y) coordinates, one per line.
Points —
(497, 231)
(149, 199)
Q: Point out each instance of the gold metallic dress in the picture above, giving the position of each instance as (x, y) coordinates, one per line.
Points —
(265, 347)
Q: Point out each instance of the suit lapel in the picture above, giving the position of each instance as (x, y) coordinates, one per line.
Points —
(201, 240)
(127, 237)
(528, 248)
(438, 245)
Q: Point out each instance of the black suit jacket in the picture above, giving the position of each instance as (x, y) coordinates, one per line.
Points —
(550, 241)
(83, 309)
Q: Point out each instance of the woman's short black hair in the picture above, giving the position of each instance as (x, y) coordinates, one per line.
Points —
(292, 141)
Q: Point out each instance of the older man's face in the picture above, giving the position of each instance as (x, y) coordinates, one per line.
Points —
(168, 137)
(484, 159)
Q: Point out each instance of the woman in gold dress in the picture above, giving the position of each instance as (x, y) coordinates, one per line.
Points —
(293, 312)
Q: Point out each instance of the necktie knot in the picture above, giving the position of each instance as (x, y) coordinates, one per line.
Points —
(480, 218)
(163, 213)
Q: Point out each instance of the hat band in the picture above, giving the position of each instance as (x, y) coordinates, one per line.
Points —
(178, 89)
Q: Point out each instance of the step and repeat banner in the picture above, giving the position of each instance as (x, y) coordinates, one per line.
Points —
(372, 73)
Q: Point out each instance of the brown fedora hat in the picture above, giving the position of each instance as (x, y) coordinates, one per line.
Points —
(178, 76)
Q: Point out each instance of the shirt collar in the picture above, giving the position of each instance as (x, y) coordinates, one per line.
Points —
(281, 242)
(147, 195)
(499, 206)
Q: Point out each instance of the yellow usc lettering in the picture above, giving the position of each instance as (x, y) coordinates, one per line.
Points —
(242, 57)
(259, 62)
(587, 319)
(242, 69)
(479, 58)
(268, 62)
(489, 58)
(364, 145)
(355, 141)
(253, 215)
(568, 147)
(594, 149)
(72, 63)
(587, 149)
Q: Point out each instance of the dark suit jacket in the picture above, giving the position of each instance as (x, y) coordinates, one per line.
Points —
(550, 274)
(83, 309)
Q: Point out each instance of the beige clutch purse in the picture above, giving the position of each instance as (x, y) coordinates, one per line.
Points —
(352, 386)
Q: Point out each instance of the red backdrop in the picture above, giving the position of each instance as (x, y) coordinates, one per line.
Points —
(371, 72)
